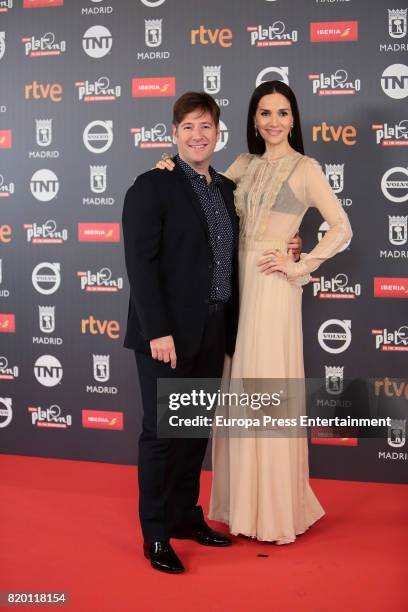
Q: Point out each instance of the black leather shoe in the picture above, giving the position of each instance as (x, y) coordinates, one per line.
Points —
(163, 558)
(203, 534)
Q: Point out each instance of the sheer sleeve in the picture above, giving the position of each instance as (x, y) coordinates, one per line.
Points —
(319, 194)
(238, 167)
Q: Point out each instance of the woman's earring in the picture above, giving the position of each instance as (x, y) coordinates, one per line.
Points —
(256, 131)
(290, 131)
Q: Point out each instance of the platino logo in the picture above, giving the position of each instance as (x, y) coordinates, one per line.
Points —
(156, 137)
(212, 79)
(393, 135)
(101, 281)
(223, 137)
(98, 136)
(336, 84)
(272, 36)
(153, 32)
(397, 231)
(334, 335)
(97, 41)
(6, 372)
(394, 81)
(44, 46)
(46, 277)
(46, 316)
(46, 233)
(101, 369)
(391, 341)
(97, 178)
(273, 74)
(6, 411)
(51, 417)
(334, 379)
(48, 370)
(6, 189)
(44, 185)
(5, 5)
(43, 132)
(391, 187)
(335, 288)
(98, 91)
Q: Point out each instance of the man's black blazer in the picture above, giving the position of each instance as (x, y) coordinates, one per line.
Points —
(169, 262)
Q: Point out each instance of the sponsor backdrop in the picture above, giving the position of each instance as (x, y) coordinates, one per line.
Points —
(86, 93)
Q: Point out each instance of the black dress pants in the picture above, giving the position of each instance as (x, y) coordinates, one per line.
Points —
(169, 469)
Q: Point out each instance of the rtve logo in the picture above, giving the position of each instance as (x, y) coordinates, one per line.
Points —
(329, 133)
(95, 326)
(43, 91)
(5, 233)
(207, 36)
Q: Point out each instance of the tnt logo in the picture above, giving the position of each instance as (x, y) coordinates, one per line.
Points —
(97, 41)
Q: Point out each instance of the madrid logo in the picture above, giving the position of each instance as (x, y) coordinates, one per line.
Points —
(48, 370)
(44, 185)
(46, 319)
(334, 335)
(223, 137)
(394, 182)
(43, 132)
(396, 433)
(98, 136)
(334, 379)
(212, 79)
(46, 277)
(397, 23)
(101, 369)
(394, 81)
(97, 177)
(335, 176)
(153, 32)
(397, 232)
(97, 41)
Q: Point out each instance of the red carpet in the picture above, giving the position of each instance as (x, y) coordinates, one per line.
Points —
(72, 526)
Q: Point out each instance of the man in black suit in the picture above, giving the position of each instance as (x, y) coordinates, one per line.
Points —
(181, 247)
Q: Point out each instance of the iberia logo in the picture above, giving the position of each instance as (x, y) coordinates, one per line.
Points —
(333, 31)
(390, 287)
(98, 232)
(325, 435)
(7, 323)
(160, 86)
(5, 139)
(102, 419)
(42, 3)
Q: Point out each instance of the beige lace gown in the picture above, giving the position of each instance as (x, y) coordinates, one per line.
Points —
(261, 484)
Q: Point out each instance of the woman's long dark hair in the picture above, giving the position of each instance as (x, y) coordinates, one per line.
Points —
(256, 144)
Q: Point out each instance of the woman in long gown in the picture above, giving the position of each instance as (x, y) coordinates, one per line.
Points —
(261, 484)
